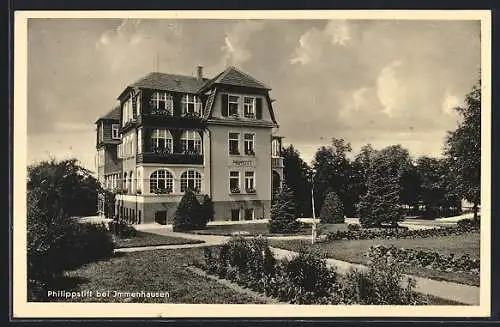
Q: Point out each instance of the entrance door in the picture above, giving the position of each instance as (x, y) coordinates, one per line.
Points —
(235, 214)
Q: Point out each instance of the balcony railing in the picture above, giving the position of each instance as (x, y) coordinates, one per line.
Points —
(277, 162)
(170, 158)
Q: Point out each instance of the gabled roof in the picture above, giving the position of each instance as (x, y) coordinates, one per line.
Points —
(170, 82)
(234, 76)
(114, 114)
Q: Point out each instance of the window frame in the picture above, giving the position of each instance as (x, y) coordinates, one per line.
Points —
(167, 139)
(187, 178)
(195, 101)
(253, 112)
(115, 128)
(236, 102)
(251, 151)
(191, 135)
(168, 102)
(229, 139)
(168, 180)
(253, 179)
(237, 176)
(245, 213)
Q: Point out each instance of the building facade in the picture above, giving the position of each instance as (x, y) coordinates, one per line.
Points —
(171, 133)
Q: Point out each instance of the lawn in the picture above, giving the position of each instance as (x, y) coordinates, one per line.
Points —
(260, 229)
(353, 251)
(157, 271)
(150, 271)
(150, 239)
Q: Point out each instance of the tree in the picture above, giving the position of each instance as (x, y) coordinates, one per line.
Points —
(333, 169)
(207, 212)
(381, 202)
(65, 185)
(283, 214)
(332, 210)
(297, 174)
(187, 213)
(463, 149)
(359, 172)
(432, 194)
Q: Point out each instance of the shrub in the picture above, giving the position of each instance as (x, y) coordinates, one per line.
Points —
(120, 228)
(394, 233)
(353, 227)
(427, 259)
(187, 213)
(468, 224)
(283, 214)
(382, 284)
(56, 244)
(332, 210)
(206, 212)
(309, 277)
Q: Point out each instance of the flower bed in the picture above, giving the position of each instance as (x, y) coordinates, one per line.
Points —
(463, 226)
(306, 278)
(426, 259)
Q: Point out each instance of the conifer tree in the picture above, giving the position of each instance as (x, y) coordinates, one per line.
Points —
(332, 210)
(283, 212)
(187, 213)
(206, 212)
(381, 204)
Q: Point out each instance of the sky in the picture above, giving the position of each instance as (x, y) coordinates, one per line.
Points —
(381, 82)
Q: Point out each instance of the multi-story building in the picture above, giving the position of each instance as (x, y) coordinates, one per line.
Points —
(171, 133)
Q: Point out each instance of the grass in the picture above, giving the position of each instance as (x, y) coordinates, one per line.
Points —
(261, 229)
(151, 271)
(354, 250)
(150, 239)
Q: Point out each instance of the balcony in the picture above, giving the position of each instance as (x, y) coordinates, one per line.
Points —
(170, 158)
(165, 118)
(277, 162)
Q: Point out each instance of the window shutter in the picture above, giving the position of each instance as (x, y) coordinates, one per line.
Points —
(258, 109)
(225, 103)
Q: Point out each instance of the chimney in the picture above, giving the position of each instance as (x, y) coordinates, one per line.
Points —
(199, 73)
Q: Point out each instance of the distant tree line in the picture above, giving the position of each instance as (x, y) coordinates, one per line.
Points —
(423, 186)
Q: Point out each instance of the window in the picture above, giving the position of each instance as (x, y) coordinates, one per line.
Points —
(275, 148)
(235, 214)
(249, 144)
(161, 182)
(234, 181)
(161, 141)
(162, 103)
(191, 142)
(114, 131)
(250, 181)
(234, 143)
(233, 103)
(191, 104)
(249, 214)
(249, 107)
(191, 179)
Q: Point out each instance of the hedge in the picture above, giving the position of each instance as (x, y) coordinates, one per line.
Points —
(426, 259)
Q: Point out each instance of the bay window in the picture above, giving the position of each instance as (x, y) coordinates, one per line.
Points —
(161, 181)
(162, 103)
(191, 180)
(161, 141)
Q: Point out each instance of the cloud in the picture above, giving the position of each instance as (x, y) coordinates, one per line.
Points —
(235, 50)
(313, 42)
(391, 93)
(450, 102)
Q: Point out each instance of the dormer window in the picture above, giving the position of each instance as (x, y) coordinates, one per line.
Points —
(162, 102)
(191, 104)
(249, 107)
(114, 131)
(233, 103)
